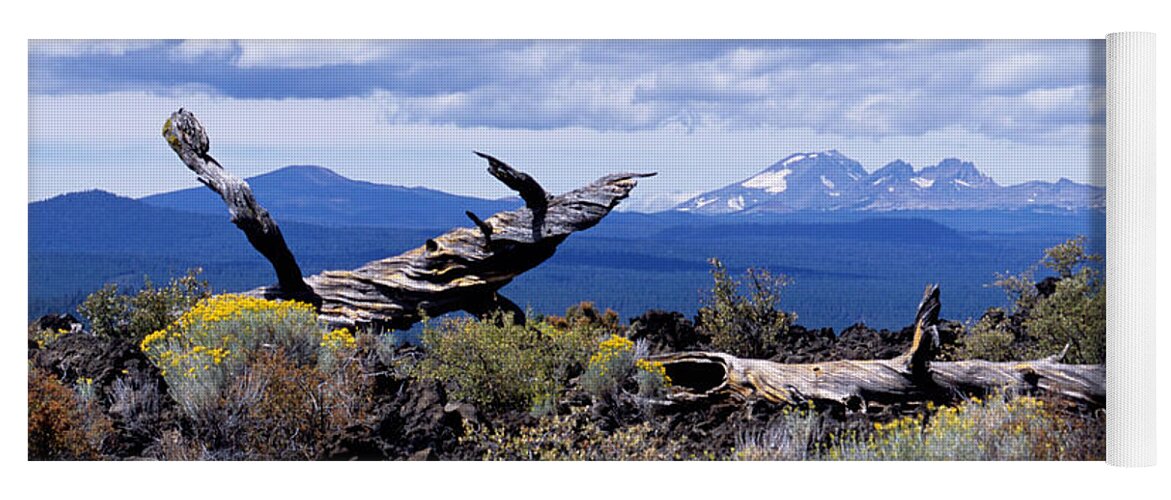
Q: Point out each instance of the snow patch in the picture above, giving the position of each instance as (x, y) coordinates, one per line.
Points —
(879, 181)
(794, 159)
(770, 182)
(736, 203)
(854, 176)
(961, 183)
(923, 182)
(703, 202)
(890, 189)
(832, 193)
(826, 182)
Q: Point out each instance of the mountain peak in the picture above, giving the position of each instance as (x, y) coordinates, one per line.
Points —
(828, 180)
(305, 173)
(897, 169)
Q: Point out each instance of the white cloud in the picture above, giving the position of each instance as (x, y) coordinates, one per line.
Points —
(310, 53)
(69, 48)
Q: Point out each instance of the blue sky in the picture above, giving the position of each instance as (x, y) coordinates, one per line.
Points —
(702, 113)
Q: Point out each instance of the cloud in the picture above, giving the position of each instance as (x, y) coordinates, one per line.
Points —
(1030, 91)
(73, 48)
(310, 53)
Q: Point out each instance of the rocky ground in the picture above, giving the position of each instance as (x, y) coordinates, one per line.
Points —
(417, 420)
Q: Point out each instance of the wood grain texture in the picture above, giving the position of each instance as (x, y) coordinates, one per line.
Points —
(912, 376)
(462, 269)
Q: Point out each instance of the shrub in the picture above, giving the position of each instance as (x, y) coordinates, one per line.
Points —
(617, 361)
(258, 379)
(137, 405)
(1002, 428)
(499, 366)
(651, 377)
(1074, 314)
(572, 437)
(792, 435)
(1072, 310)
(586, 315)
(150, 309)
(990, 339)
(299, 411)
(211, 343)
(748, 326)
(609, 366)
(64, 423)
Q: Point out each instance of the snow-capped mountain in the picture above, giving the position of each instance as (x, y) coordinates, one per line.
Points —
(830, 181)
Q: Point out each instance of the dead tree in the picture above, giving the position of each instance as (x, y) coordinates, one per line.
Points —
(462, 269)
(912, 376)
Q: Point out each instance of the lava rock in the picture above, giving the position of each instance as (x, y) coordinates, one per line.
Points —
(665, 331)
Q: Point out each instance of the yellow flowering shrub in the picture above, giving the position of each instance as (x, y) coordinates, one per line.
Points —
(339, 339)
(618, 360)
(212, 341)
(1001, 428)
(336, 345)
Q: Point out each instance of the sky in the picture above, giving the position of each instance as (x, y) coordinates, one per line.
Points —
(703, 114)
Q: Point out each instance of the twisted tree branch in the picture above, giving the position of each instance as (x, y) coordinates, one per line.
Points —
(462, 269)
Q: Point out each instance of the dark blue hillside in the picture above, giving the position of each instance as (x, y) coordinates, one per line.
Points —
(845, 267)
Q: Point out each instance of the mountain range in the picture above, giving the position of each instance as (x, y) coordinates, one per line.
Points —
(861, 265)
(829, 181)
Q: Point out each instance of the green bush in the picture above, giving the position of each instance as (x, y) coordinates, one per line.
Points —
(113, 314)
(990, 339)
(745, 325)
(500, 366)
(1073, 313)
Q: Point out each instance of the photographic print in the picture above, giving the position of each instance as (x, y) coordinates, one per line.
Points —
(567, 250)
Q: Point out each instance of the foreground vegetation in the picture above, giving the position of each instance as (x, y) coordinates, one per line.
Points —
(176, 373)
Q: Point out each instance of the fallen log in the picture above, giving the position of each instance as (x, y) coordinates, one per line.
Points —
(462, 269)
(912, 376)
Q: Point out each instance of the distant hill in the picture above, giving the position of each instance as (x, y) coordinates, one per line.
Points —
(846, 266)
(829, 181)
(317, 195)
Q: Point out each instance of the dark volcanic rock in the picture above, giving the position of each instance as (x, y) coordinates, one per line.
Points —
(127, 386)
(1047, 286)
(420, 419)
(665, 331)
(56, 323)
(81, 355)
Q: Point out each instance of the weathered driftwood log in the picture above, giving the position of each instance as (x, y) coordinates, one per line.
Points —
(462, 269)
(912, 376)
